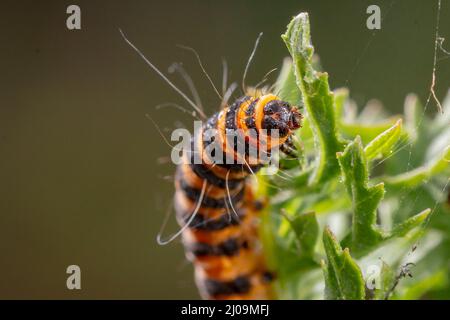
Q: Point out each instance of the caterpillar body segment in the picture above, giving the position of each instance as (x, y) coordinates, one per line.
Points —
(216, 198)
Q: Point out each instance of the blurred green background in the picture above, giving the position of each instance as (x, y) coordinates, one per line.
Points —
(81, 176)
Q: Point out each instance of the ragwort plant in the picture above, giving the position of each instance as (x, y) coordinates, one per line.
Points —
(363, 212)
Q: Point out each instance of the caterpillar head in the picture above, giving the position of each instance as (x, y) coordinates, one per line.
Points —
(279, 115)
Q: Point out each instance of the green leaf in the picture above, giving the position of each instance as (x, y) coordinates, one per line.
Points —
(417, 289)
(365, 234)
(286, 86)
(365, 198)
(340, 97)
(343, 277)
(417, 176)
(384, 143)
(367, 132)
(403, 228)
(317, 98)
(306, 229)
(301, 179)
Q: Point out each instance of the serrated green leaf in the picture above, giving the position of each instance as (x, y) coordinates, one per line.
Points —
(365, 198)
(317, 98)
(384, 142)
(343, 277)
(365, 233)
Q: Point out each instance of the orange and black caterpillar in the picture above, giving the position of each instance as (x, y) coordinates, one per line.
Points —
(214, 201)
(223, 245)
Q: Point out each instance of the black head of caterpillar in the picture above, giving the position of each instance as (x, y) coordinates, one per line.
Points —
(265, 115)
(279, 115)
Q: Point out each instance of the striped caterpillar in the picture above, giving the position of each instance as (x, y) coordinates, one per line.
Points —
(214, 202)
(223, 245)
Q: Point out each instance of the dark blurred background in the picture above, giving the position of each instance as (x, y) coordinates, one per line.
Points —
(81, 181)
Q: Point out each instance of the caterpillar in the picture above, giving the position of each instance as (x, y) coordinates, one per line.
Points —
(223, 246)
(214, 200)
